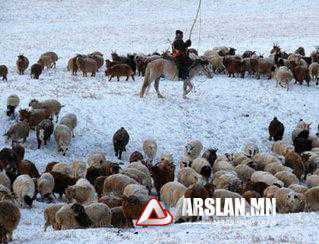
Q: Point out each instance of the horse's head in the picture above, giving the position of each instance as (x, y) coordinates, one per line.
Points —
(202, 65)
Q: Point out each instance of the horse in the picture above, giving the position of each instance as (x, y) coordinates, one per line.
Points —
(166, 68)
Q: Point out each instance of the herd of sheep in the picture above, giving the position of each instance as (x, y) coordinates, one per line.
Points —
(282, 66)
(99, 193)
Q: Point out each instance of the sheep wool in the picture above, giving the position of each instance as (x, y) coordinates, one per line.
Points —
(4, 179)
(49, 216)
(188, 176)
(45, 184)
(9, 219)
(96, 160)
(24, 189)
(150, 148)
(193, 149)
(171, 192)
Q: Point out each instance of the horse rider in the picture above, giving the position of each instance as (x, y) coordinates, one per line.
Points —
(180, 55)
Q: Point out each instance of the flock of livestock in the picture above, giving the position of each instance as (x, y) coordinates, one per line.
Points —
(282, 66)
(99, 193)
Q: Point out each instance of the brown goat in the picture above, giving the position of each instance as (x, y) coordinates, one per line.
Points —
(300, 74)
(119, 70)
(36, 70)
(233, 65)
(22, 64)
(4, 72)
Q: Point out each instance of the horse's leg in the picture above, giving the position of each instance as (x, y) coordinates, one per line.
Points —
(156, 86)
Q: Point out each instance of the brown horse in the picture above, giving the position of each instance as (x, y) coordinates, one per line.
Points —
(167, 68)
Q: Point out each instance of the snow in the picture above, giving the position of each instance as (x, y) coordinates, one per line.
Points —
(222, 112)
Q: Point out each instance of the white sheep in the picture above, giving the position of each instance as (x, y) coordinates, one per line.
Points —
(193, 149)
(220, 164)
(63, 136)
(116, 183)
(79, 169)
(24, 189)
(226, 180)
(70, 120)
(283, 77)
(275, 167)
(62, 168)
(280, 148)
(265, 177)
(188, 176)
(150, 148)
(4, 179)
(138, 175)
(137, 190)
(82, 192)
(202, 167)
(171, 192)
(314, 71)
(244, 172)
(262, 159)
(45, 185)
(12, 103)
(99, 214)
(139, 166)
(96, 160)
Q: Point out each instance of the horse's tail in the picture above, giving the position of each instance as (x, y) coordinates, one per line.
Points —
(147, 81)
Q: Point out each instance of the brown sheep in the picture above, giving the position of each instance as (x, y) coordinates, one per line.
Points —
(162, 173)
(132, 208)
(48, 59)
(22, 64)
(26, 167)
(72, 66)
(36, 70)
(98, 57)
(61, 182)
(294, 161)
(34, 116)
(9, 220)
(112, 200)
(119, 70)
(86, 65)
(4, 72)
(118, 218)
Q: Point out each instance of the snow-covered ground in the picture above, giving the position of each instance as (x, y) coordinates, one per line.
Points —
(221, 112)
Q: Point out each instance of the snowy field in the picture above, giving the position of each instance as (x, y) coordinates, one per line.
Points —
(221, 112)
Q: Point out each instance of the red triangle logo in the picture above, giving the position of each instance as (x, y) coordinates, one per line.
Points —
(151, 209)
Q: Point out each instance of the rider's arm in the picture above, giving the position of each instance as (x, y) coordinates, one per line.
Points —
(188, 43)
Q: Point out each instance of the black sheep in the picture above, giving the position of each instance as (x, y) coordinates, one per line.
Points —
(61, 182)
(44, 131)
(120, 140)
(210, 155)
(36, 70)
(80, 215)
(276, 130)
(302, 144)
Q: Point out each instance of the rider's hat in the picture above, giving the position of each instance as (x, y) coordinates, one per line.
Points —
(178, 32)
